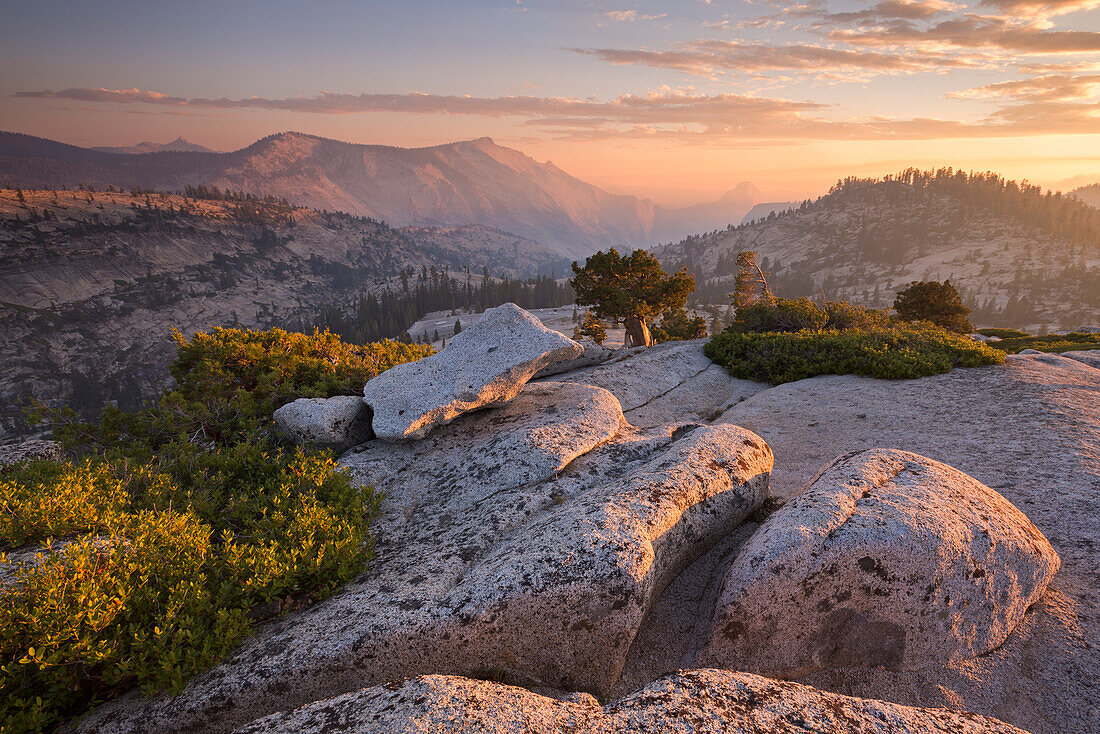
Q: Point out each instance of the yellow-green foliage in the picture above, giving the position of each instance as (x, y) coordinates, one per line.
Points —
(1051, 343)
(182, 523)
(891, 352)
(1002, 333)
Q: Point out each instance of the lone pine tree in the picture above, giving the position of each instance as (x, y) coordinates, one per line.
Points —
(630, 288)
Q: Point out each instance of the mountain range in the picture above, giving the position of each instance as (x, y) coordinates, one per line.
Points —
(470, 182)
(92, 283)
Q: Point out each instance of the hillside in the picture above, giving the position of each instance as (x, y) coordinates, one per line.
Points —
(1089, 194)
(91, 284)
(470, 182)
(1019, 257)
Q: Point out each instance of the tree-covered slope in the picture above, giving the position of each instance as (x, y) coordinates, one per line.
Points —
(1019, 256)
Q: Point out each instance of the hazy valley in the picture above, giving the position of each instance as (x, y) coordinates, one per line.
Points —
(92, 284)
(469, 182)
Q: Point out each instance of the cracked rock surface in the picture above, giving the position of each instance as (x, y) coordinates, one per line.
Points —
(886, 559)
(485, 365)
(688, 702)
(532, 539)
(669, 382)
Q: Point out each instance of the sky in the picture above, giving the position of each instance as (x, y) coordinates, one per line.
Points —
(677, 101)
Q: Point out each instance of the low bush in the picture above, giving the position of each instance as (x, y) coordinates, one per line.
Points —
(676, 325)
(1002, 333)
(591, 328)
(184, 524)
(781, 314)
(901, 351)
(1052, 343)
(844, 315)
(802, 314)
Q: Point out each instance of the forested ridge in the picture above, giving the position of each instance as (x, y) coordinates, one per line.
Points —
(1020, 256)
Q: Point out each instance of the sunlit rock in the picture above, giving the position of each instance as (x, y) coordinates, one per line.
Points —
(886, 559)
(687, 702)
(531, 539)
(485, 365)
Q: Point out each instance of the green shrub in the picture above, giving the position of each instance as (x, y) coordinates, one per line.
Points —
(903, 351)
(1002, 333)
(802, 314)
(592, 328)
(676, 325)
(1052, 343)
(184, 524)
(933, 301)
(781, 314)
(844, 315)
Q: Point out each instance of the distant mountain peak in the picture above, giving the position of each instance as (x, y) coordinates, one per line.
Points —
(179, 145)
(746, 190)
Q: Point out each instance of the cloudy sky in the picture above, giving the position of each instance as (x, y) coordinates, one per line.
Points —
(675, 100)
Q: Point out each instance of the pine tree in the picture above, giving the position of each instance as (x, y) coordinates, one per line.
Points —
(632, 288)
(750, 285)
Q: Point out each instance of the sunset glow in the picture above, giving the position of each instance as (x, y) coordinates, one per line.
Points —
(676, 102)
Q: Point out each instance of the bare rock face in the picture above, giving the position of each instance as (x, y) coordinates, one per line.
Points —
(337, 423)
(531, 539)
(31, 450)
(671, 379)
(886, 559)
(1091, 357)
(688, 702)
(593, 354)
(485, 365)
(1029, 429)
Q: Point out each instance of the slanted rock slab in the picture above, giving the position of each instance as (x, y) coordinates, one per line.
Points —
(337, 423)
(886, 559)
(485, 365)
(1091, 357)
(686, 702)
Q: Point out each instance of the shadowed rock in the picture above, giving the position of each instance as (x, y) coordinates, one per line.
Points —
(687, 702)
(336, 423)
(886, 559)
(1091, 357)
(487, 364)
(594, 354)
(32, 450)
(668, 382)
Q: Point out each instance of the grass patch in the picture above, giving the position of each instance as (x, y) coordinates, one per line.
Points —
(1055, 343)
(183, 524)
